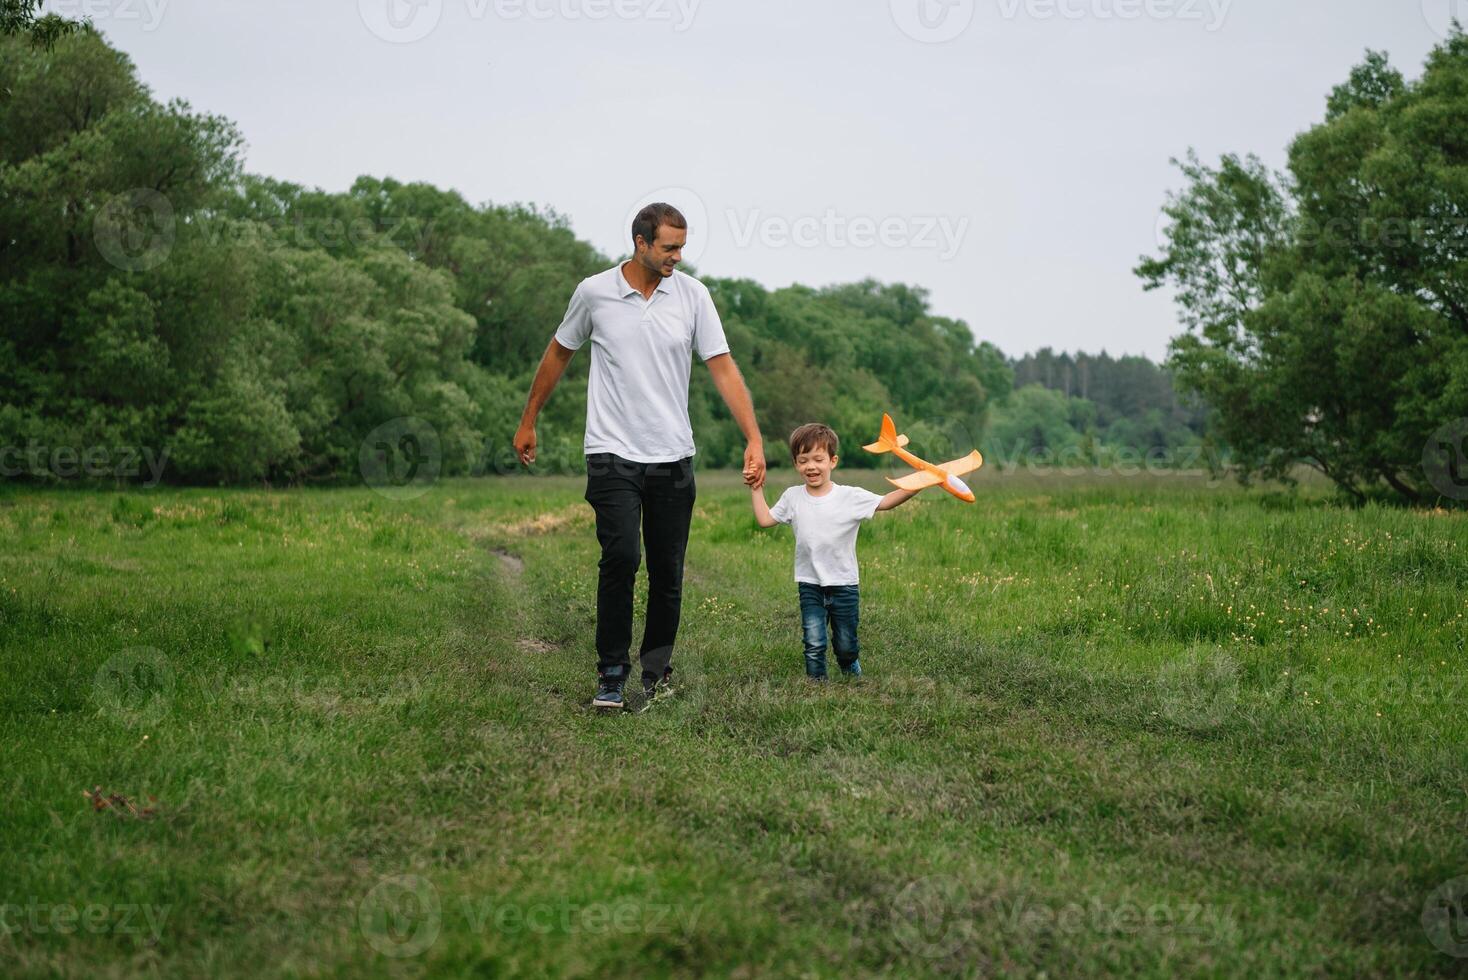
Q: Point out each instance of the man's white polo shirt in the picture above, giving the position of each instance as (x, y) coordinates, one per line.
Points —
(641, 356)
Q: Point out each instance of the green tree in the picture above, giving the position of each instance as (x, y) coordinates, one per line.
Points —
(1327, 309)
(18, 18)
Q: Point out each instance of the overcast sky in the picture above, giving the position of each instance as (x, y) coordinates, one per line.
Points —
(1010, 156)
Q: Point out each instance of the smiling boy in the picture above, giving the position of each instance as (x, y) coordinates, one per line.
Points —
(825, 517)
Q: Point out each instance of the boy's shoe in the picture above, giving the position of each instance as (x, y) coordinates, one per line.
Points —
(852, 670)
(609, 688)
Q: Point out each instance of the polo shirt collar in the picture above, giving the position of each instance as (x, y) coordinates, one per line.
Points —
(627, 289)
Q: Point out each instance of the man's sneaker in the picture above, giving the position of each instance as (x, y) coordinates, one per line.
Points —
(852, 670)
(655, 687)
(609, 688)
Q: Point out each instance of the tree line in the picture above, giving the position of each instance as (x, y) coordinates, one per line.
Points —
(158, 296)
(160, 300)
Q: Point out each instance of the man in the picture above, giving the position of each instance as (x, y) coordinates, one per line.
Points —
(645, 320)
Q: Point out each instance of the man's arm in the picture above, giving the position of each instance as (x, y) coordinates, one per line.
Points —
(736, 395)
(552, 366)
(895, 499)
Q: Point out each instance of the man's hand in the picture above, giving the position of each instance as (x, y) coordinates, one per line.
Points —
(552, 364)
(525, 443)
(731, 387)
(754, 465)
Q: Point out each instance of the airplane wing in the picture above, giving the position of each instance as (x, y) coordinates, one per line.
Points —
(923, 479)
(916, 481)
(962, 465)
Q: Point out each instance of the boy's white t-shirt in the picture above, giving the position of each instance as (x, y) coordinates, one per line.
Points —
(825, 531)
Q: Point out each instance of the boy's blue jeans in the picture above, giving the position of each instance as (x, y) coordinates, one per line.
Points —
(836, 605)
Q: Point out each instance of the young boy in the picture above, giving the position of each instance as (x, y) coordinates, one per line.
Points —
(825, 517)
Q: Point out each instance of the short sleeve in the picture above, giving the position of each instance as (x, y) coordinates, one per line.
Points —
(708, 329)
(784, 510)
(575, 328)
(863, 503)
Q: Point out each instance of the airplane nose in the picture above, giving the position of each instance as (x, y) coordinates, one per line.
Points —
(959, 487)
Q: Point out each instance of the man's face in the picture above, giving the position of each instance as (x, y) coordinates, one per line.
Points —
(663, 255)
(816, 466)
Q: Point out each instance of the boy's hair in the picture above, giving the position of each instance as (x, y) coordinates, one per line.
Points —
(814, 435)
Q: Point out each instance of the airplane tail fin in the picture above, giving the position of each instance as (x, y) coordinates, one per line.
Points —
(888, 440)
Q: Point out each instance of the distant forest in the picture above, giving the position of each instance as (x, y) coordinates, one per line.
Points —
(1106, 402)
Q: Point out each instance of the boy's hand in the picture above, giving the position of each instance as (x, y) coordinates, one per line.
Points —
(754, 465)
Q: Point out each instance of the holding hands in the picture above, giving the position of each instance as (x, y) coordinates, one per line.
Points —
(754, 465)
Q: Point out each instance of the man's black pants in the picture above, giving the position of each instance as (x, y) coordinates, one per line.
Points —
(657, 500)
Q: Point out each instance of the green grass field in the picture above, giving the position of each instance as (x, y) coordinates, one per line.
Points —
(1151, 726)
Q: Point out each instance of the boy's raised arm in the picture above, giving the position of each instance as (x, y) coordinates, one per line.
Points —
(896, 498)
(761, 509)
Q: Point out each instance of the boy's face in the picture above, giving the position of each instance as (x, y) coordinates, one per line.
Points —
(816, 466)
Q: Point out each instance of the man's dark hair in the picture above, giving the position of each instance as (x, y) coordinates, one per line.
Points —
(814, 435)
(654, 216)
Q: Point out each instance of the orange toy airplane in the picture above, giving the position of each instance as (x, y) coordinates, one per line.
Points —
(945, 475)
